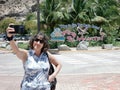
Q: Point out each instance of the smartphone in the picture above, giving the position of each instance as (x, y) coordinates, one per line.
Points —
(19, 29)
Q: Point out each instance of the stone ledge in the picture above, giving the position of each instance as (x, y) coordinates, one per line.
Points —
(54, 51)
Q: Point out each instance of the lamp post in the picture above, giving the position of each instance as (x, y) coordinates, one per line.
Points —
(38, 16)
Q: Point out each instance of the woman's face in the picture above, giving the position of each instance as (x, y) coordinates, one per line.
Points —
(38, 43)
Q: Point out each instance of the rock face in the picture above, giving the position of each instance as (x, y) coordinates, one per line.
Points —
(15, 8)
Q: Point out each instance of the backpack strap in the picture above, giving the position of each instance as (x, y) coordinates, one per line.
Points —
(51, 70)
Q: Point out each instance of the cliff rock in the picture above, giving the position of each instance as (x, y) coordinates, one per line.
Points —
(16, 8)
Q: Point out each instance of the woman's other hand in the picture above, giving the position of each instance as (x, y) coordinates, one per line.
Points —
(51, 78)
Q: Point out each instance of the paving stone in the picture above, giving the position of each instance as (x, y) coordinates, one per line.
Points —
(70, 82)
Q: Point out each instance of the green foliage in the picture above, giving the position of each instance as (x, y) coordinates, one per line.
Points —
(31, 27)
(23, 46)
(103, 13)
(30, 24)
(117, 43)
(4, 24)
(31, 16)
(95, 43)
(71, 44)
(78, 5)
(111, 34)
(51, 14)
(99, 20)
(53, 44)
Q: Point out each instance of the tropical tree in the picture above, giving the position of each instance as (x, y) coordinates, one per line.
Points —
(30, 24)
(50, 14)
(78, 11)
(105, 14)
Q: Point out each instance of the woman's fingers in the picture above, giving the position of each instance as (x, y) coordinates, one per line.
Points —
(51, 78)
(10, 31)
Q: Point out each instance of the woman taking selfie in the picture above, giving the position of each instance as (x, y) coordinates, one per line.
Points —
(35, 62)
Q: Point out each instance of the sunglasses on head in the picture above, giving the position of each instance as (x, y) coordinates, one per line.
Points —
(38, 40)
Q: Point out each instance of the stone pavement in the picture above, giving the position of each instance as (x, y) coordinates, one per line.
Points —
(100, 81)
(89, 82)
(70, 82)
(4, 51)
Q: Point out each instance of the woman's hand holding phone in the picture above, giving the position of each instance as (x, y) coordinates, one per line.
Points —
(10, 31)
(9, 35)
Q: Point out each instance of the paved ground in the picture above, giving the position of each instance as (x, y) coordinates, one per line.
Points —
(71, 82)
(78, 80)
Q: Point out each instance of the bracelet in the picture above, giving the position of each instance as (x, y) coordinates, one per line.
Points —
(9, 38)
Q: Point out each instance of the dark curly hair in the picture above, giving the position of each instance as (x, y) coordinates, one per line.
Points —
(44, 37)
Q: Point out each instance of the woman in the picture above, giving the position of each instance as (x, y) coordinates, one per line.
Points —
(35, 62)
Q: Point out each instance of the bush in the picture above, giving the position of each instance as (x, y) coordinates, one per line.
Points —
(54, 44)
(117, 43)
(4, 24)
(23, 45)
(72, 44)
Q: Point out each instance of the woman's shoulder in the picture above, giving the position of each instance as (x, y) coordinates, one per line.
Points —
(50, 56)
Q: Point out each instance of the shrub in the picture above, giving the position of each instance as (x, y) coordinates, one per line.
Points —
(23, 45)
